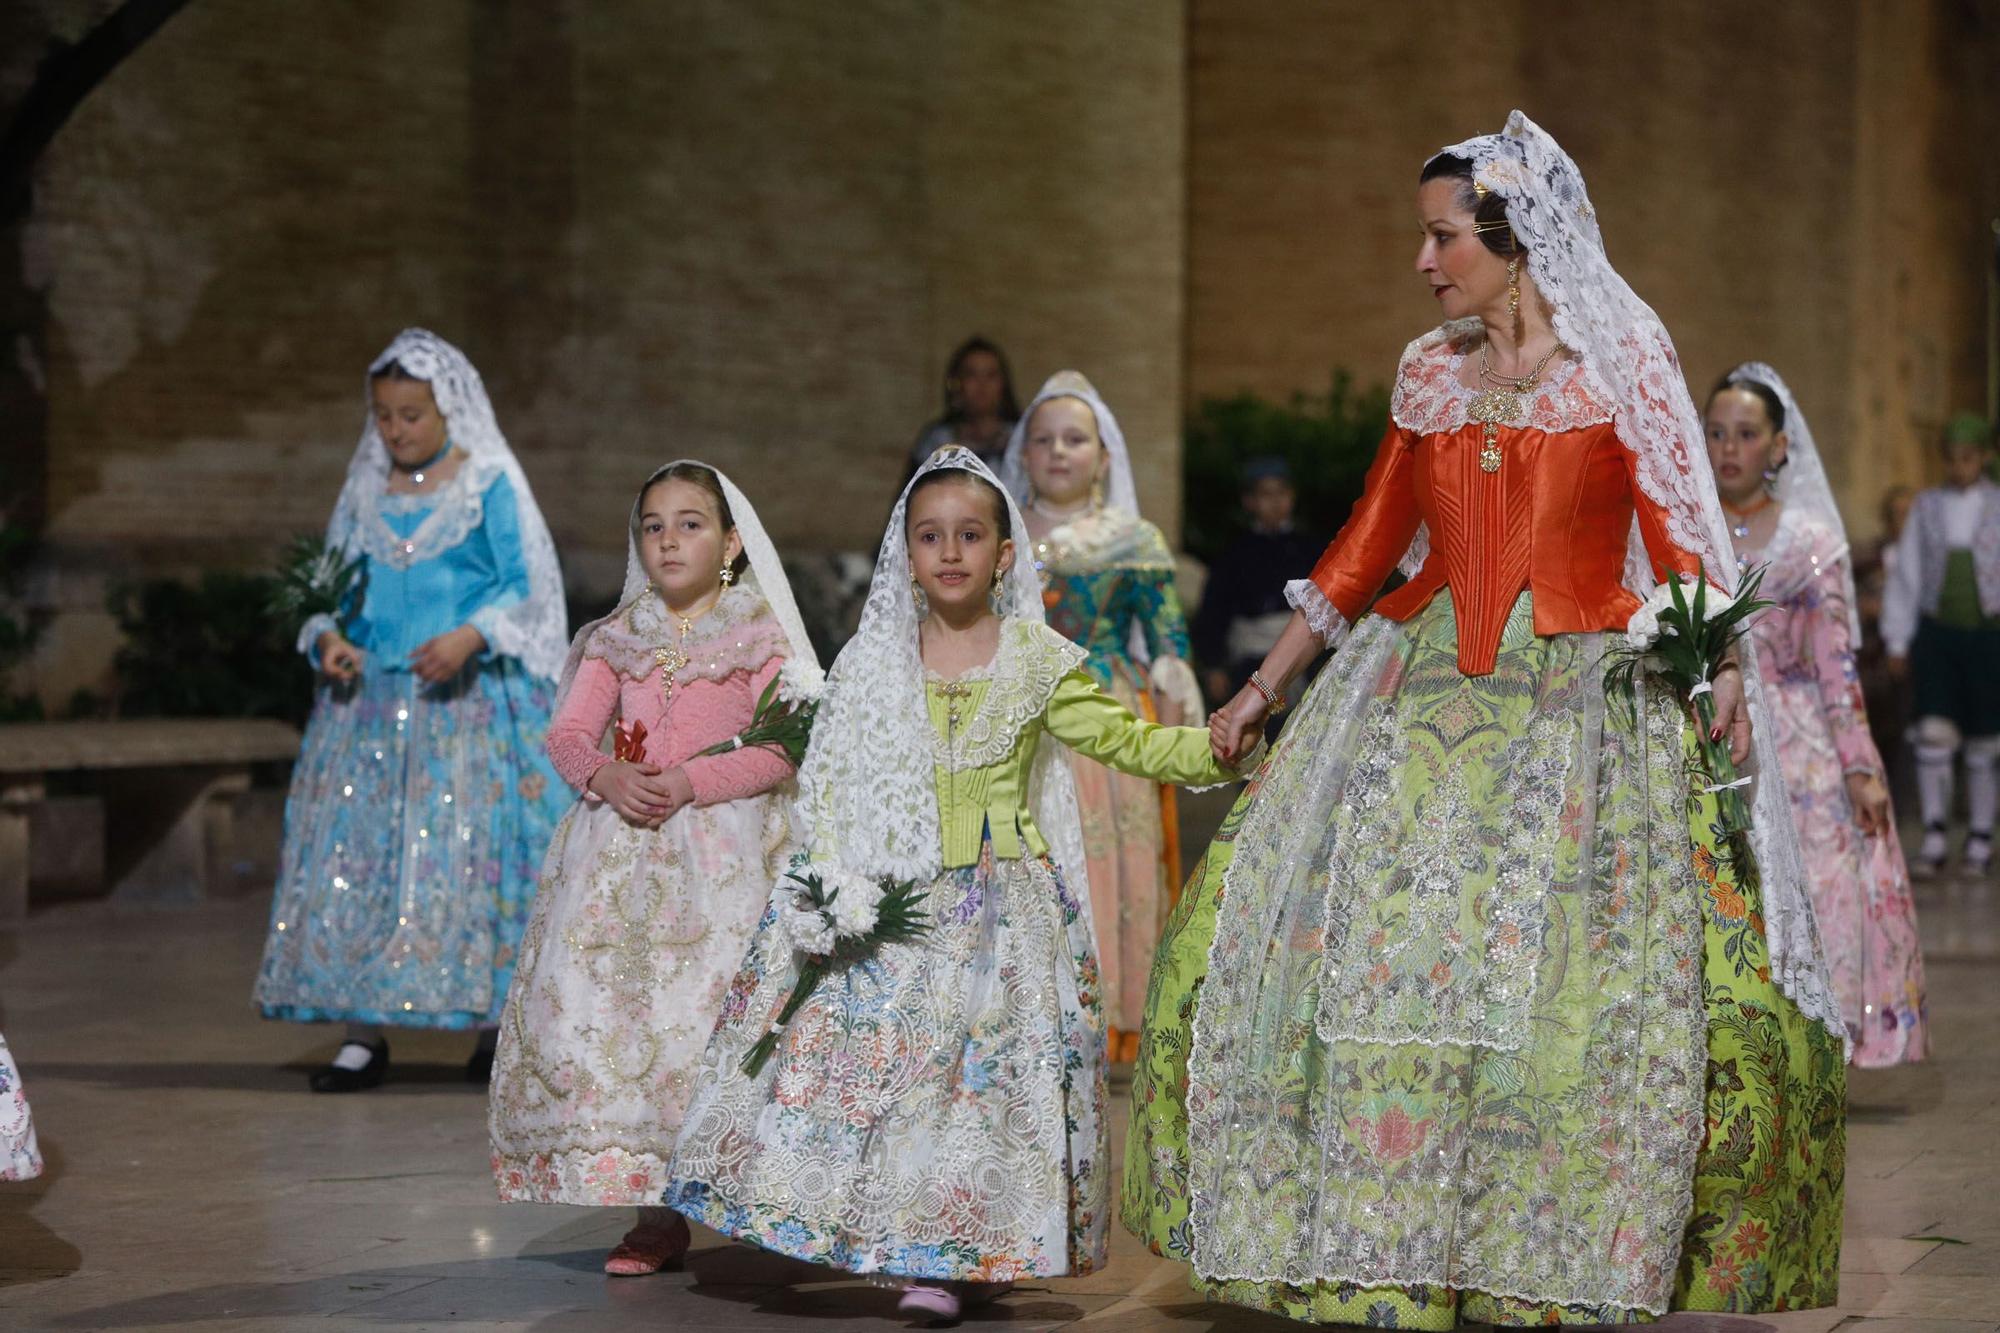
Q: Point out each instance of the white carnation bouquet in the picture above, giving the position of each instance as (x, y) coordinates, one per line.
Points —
(835, 919)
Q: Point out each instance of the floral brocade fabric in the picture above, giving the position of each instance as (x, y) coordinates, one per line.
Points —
(1599, 1107)
(936, 1111)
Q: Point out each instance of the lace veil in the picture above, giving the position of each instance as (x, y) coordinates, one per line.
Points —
(1625, 352)
(867, 784)
(1802, 485)
(1120, 491)
(531, 629)
(802, 677)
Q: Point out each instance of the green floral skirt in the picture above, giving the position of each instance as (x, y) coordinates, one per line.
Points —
(1478, 1051)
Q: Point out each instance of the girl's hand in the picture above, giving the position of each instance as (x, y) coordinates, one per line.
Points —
(679, 788)
(1234, 728)
(439, 660)
(1732, 717)
(338, 659)
(1871, 802)
(637, 792)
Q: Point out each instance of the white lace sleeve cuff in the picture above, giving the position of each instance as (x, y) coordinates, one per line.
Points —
(1173, 677)
(1328, 625)
(309, 635)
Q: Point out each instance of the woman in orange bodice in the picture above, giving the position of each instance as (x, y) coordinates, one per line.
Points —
(1468, 1013)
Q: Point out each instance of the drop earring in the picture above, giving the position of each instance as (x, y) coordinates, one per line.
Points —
(728, 575)
(1514, 293)
(916, 594)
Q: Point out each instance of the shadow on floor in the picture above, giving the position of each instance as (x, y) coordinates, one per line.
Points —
(29, 1251)
(744, 1289)
(425, 1079)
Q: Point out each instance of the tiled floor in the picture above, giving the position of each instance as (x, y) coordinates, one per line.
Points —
(193, 1182)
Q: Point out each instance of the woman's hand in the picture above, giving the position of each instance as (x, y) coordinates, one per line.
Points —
(1732, 716)
(1871, 802)
(439, 660)
(639, 793)
(339, 660)
(1235, 728)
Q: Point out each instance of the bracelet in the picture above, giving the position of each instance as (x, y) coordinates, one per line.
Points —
(1272, 699)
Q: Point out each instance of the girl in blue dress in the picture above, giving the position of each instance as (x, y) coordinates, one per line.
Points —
(422, 800)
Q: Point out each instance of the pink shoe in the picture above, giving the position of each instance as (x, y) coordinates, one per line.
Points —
(648, 1249)
(931, 1304)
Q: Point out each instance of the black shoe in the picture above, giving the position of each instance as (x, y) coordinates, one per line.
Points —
(335, 1079)
(479, 1069)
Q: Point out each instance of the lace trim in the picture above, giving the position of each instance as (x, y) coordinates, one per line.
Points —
(1031, 661)
(738, 634)
(1430, 397)
(1326, 623)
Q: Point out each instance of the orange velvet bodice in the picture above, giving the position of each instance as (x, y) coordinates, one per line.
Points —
(1553, 519)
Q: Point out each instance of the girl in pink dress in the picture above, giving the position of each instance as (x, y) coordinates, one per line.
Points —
(654, 882)
(1782, 515)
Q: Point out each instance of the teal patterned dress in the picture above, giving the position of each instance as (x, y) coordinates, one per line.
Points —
(1108, 586)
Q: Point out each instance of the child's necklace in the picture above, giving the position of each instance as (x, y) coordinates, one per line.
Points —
(1739, 526)
(674, 658)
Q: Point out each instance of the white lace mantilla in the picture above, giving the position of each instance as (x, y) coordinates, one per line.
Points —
(1630, 362)
(532, 629)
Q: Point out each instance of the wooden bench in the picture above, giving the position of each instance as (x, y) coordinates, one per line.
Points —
(168, 786)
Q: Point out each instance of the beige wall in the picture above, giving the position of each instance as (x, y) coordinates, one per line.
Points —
(1800, 182)
(748, 233)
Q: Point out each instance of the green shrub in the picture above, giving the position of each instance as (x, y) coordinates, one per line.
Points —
(1328, 439)
(208, 649)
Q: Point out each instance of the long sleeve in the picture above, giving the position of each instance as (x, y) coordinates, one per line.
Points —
(501, 527)
(578, 727)
(1361, 556)
(1831, 638)
(739, 773)
(1096, 726)
(1902, 591)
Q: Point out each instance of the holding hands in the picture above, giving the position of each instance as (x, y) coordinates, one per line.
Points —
(644, 795)
(1235, 728)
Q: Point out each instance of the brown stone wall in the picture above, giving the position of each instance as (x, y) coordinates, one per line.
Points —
(1800, 182)
(748, 233)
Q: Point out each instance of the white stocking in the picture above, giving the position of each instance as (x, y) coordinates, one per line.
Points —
(1934, 783)
(1982, 793)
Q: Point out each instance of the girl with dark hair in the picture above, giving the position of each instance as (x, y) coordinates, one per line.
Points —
(1782, 517)
(421, 803)
(659, 872)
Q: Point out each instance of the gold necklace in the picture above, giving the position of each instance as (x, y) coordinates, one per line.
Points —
(674, 658)
(1504, 403)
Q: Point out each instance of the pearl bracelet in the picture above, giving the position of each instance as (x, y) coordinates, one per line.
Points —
(1274, 700)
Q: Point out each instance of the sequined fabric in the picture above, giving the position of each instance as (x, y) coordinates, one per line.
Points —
(414, 831)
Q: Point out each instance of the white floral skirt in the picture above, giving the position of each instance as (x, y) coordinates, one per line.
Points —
(629, 951)
(20, 1158)
(935, 1112)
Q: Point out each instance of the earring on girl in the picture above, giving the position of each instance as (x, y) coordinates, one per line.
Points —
(916, 594)
(728, 575)
(1514, 293)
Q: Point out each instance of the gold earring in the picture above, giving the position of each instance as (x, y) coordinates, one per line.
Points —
(916, 594)
(999, 575)
(728, 575)
(1514, 288)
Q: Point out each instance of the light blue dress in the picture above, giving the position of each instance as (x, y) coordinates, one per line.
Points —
(418, 813)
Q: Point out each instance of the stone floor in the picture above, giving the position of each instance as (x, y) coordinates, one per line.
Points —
(193, 1182)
